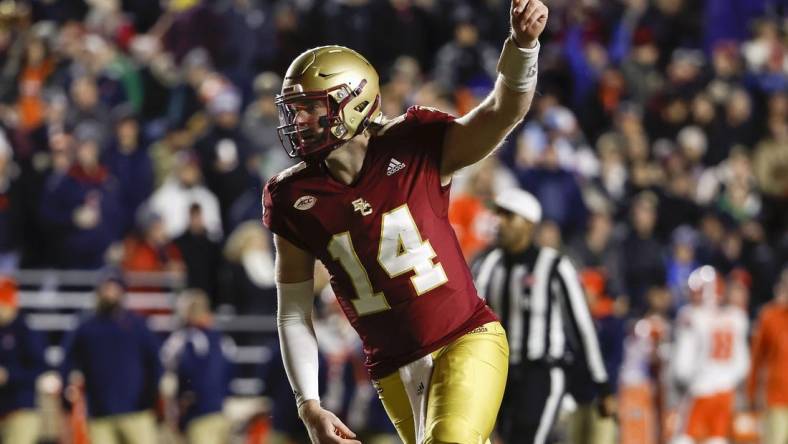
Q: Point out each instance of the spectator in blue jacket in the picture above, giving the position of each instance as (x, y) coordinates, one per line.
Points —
(117, 357)
(81, 208)
(127, 159)
(198, 355)
(21, 363)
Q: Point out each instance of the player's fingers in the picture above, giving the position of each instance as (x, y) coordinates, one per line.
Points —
(531, 13)
(530, 8)
(518, 6)
(342, 429)
(539, 15)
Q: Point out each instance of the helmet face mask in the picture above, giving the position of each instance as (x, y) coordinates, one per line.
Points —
(330, 94)
(304, 121)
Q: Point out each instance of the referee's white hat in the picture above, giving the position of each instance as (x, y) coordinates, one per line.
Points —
(520, 202)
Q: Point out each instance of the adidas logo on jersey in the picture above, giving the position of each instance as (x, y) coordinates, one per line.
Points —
(394, 166)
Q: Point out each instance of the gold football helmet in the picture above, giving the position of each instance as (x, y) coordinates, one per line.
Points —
(329, 95)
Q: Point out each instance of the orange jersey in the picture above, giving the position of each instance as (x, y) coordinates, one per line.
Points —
(471, 221)
(710, 416)
(770, 351)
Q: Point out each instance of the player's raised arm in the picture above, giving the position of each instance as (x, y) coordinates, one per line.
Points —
(476, 134)
(295, 297)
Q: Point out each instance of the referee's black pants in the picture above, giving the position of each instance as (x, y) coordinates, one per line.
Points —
(531, 403)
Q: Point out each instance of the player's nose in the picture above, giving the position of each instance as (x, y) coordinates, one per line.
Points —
(303, 117)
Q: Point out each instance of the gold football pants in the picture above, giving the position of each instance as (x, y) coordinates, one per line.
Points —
(464, 394)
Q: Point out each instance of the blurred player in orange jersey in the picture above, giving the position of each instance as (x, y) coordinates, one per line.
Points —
(710, 359)
(770, 353)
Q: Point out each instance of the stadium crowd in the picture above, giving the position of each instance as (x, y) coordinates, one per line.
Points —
(138, 134)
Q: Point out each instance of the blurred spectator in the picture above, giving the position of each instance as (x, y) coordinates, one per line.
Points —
(127, 159)
(21, 363)
(468, 210)
(246, 21)
(87, 109)
(771, 158)
(151, 249)
(597, 250)
(224, 152)
(200, 253)
(466, 59)
(114, 348)
(642, 398)
(175, 196)
(82, 207)
(411, 23)
(738, 198)
(38, 66)
(199, 357)
(11, 215)
(737, 128)
(164, 153)
(556, 188)
(249, 284)
(587, 424)
(260, 121)
(341, 22)
(612, 176)
(640, 69)
(680, 264)
(770, 356)
(677, 206)
(644, 266)
(194, 24)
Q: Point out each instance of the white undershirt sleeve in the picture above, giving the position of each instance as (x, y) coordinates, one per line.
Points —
(297, 338)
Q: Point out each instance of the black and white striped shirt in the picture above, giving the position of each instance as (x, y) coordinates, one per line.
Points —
(539, 298)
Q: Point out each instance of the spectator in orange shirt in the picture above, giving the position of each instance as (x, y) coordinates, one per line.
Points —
(468, 211)
(770, 352)
(152, 250)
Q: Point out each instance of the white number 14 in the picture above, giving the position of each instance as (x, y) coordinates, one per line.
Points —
(401, 250)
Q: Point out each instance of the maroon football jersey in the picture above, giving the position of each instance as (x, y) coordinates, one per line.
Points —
(395, 263)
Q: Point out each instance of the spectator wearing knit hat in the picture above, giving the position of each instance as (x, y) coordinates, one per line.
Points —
(114, 354)
(21, 363)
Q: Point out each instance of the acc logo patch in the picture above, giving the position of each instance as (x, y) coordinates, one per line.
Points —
(305, 202)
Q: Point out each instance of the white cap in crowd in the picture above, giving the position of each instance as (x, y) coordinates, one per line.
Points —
(521, 203)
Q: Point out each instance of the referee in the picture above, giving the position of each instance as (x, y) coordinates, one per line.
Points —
(537, 294)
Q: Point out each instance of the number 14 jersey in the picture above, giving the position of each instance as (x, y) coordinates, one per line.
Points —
(395, 263)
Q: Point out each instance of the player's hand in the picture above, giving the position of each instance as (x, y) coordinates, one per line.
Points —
(528, 19)
(608, 406)
(323, 426)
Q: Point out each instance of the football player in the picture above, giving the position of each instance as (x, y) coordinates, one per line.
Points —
(370, 201)
(711, 359)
